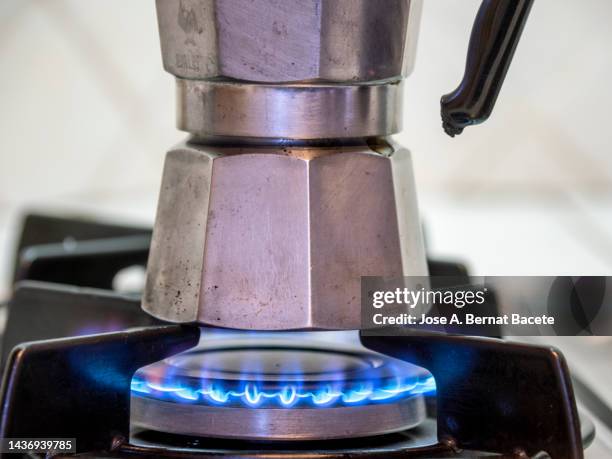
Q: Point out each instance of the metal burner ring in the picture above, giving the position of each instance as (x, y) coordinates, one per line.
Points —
(306, 392)
(277, 424)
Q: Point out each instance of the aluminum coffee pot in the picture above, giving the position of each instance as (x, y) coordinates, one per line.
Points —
(290, 187)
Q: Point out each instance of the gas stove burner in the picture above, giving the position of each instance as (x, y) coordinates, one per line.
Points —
(275, 390)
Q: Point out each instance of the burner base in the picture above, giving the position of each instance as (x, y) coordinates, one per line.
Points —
(277, 424)
(278, 390)
(420, 442)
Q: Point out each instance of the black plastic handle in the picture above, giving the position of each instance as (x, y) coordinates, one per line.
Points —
(495, 35)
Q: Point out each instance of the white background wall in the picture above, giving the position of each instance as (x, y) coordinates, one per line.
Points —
(86, 114)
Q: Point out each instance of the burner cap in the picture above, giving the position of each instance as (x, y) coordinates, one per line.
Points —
(275, 390)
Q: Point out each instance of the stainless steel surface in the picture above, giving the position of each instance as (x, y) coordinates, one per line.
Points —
(277, 424)
(277, 238)
(270, 68)
(285, 41)
(297, 111)
(175, 266)
(272, 227)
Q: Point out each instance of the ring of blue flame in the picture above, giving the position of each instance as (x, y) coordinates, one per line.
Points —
(285, 395)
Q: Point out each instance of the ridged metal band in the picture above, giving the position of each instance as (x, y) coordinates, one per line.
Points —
(276, 424)
(295, 111)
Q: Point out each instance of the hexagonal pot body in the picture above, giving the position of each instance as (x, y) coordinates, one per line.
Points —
(289, 40)
(277, 239)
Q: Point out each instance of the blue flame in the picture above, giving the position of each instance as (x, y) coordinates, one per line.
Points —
(285, 395)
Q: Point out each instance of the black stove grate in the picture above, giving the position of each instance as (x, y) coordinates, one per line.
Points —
(492, 395)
